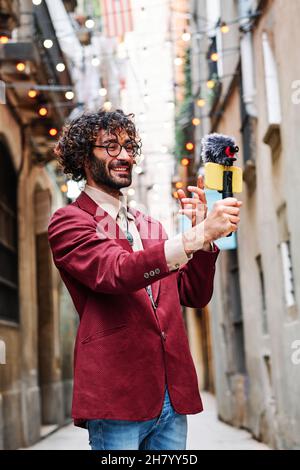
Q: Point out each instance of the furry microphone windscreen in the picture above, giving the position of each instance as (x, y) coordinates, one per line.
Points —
(218, 148)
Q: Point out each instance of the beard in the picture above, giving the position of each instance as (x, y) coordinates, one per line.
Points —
(101, 173)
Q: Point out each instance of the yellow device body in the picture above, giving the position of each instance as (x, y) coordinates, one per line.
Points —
(214, 177)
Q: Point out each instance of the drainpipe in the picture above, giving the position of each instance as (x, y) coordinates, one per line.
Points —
(247, 62)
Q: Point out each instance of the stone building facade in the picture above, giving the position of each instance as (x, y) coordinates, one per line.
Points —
(255, 307)
(37, 320)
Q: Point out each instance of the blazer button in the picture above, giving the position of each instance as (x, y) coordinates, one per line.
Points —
(152, 273)
(157, 271)
(164, 336)
(146, 275)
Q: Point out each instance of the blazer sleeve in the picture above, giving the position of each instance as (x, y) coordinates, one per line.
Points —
(195, 279)
(100, 263)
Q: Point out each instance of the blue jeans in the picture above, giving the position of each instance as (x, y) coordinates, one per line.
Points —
(166, 432)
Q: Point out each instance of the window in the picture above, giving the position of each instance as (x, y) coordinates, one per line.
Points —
(9, 302)
(265, 326)
(289, 290)
(237, 314)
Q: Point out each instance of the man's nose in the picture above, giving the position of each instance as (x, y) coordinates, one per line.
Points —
(124, 155)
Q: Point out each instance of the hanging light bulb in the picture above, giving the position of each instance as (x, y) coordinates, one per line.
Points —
(48, 43)
(20, 66)
(32, 93)
(185, 161)
(107, 105)
(60, 67)
(210, 84)
(224, 27)
(43, 111)
(69, 95)
(214, 57)
(89, 24)
(103, 92)
(189, 146)
(196, 121)
(138, 170)
(186, 36)
(36, 2)
(200, 102)
(3, 39)
(53, 132)
(178, 61)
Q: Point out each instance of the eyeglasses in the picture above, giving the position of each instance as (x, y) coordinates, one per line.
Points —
(114, 149)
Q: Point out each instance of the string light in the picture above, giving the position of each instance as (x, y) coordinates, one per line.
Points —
(90, 23)
(178, 61)
(53, 132)
(201, 102)
(196, 121)
(69, 95)
(132, 203)
(189, 146)
(48, 43)
(43, 111)
(64, 188)
(224, 27)
(214, 57)
(36, 2)
(3, 39)
(210, 84)
(175, 195)
(60, 67)
(107, 105)
(20, 66)
(103, 92)
(95, 62)
(138, 170)
(179, 185)
(131, 192)
(185, 161)
(186, 36)
(32, 93)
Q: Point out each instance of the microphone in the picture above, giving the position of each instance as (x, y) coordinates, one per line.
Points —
(218, 153)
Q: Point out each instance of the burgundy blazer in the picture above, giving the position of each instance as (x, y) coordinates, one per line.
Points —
(125, 349)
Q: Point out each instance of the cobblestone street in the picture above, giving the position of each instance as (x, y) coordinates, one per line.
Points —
(205, 432)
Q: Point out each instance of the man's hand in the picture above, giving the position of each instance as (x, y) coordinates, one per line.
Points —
(222, 220)
(194, 208)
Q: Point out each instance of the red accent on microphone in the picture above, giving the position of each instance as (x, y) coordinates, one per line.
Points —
(228, 152)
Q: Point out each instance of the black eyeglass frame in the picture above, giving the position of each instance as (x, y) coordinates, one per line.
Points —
(137, 151)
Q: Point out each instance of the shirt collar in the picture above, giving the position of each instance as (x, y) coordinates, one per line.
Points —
(108, 203)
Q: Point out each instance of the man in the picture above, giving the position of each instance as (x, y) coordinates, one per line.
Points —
(134, 378)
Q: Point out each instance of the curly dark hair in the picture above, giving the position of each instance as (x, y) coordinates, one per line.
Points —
(75, 144)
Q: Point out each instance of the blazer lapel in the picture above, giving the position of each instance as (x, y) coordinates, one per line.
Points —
(108, 226)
